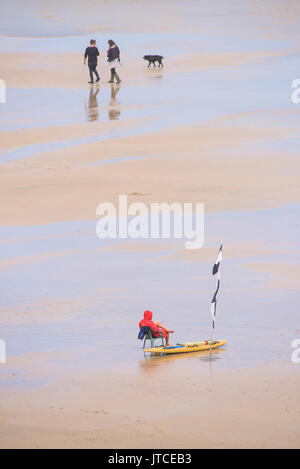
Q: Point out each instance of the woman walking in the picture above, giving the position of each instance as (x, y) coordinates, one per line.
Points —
(113, 58)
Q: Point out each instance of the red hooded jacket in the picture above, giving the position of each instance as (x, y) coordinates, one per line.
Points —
(147, 321)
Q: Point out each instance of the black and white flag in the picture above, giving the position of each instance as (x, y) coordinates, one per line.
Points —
(216, 270)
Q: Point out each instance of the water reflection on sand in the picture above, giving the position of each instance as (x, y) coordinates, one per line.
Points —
(154, 364)
(86, 302)
(92, 108)
(114, 112)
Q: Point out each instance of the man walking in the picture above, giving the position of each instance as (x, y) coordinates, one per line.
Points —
(92, 53)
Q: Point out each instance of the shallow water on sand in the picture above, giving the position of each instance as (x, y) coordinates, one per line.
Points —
(73, 302)
(158, 102)
(70, 302)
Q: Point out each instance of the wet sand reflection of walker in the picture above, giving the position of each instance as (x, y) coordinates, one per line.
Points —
(114, 113)
(92, 109)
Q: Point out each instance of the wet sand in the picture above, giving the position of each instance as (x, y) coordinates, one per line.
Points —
(158, 409)
(69, 320)
(216, 126)
(52, 70)
(188, 159)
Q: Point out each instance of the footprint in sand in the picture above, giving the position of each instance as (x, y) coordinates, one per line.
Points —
(94, 411)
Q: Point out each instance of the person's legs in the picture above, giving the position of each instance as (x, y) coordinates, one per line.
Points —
(117, 77)
(168, 331)
(92, 69)
(96, 73)
(91, 73)
(167, 340)
(112, 73)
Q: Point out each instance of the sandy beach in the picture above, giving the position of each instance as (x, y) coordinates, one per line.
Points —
(215, 125)
(202, 411)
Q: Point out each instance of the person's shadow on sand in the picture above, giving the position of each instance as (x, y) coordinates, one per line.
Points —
(114, 114)
(92, 110)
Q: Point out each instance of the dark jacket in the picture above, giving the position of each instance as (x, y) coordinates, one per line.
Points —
(143, 331)
(92, 54)
(113, 53)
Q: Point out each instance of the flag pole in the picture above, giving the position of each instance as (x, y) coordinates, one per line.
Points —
(213, 304)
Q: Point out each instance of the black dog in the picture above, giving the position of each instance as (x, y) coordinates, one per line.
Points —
(154, 58)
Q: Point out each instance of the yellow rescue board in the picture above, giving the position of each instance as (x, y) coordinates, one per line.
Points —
(186, 347)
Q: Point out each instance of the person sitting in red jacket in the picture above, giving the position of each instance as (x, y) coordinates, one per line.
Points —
(156, 326)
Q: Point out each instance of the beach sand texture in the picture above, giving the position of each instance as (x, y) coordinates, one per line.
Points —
(216, 125)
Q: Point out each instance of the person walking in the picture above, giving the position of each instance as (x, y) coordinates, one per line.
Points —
(113, 58)
(92, 54)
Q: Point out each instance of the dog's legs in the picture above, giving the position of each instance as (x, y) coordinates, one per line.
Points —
(148, 64)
